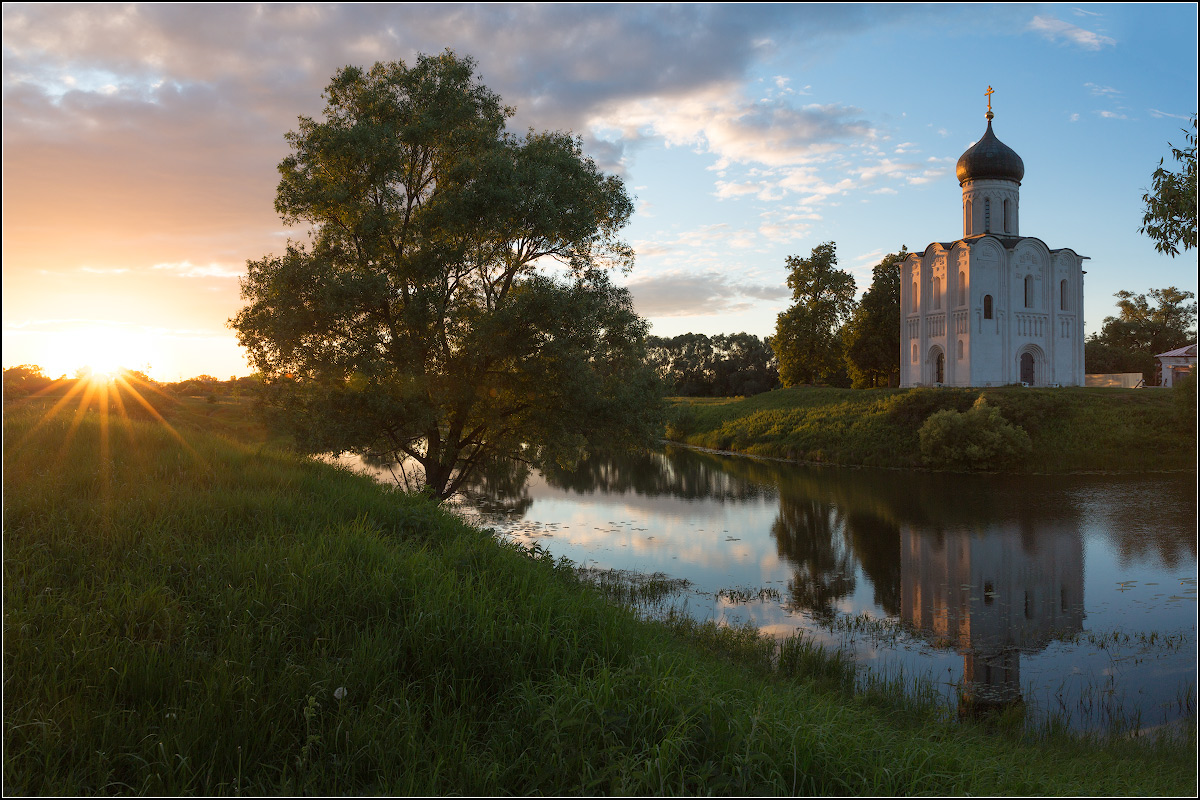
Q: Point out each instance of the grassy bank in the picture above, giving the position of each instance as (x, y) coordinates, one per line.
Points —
(1070, 429)
(187, 615)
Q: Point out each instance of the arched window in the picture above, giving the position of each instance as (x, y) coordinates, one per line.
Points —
(1029, 291)
(937, 293)
(914, 355)
(914, 298)
(1062, 295)
(962, 288)
(960, 349)
(968, 225)
(1007, 217)
(987, 306)
(987, 215)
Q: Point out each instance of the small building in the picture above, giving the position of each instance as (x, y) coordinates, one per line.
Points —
(994, 307)
(1177, 364)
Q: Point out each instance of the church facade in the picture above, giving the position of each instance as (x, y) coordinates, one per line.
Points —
(994, 307)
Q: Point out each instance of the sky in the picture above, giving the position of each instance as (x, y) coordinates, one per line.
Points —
(140, 146)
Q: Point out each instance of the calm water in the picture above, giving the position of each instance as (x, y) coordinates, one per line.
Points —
(1075, 595)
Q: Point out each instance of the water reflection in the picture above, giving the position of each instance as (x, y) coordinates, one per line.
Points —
(992, 594)
(988, 570)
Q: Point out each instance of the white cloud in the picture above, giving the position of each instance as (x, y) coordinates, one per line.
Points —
(686, 294)
(186, 269)
(1054, 29)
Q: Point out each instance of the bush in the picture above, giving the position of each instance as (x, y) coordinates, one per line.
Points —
(977, 439)
(910, 409)
(681, 420)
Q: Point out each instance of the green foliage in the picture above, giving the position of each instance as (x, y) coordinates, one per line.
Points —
(420, 323)
(910, 409)
(681, 420)
(806, 339)
(1170, 218)
(696, 365)
(872, 335)
(1129, 341)
(978, 439)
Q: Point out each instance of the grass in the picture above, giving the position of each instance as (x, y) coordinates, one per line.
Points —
(189, 615)
(1071, 429)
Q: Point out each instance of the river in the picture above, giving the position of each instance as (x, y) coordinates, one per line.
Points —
(1066, 596)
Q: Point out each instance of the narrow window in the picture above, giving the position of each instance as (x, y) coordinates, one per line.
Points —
(914, 354)
(1062, 295)
(987, 215)
(941, 367)
(962, 288)
(968, 224)
(937, 293)
(1029, 291)
(914, 297)
(960, 349)
(987, 306)
(1007, 217)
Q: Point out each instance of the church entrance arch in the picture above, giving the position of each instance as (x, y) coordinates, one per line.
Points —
(1031, 366)
(937, 365)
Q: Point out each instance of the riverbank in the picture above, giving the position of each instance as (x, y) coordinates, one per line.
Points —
(189, 615)
(1069, 429)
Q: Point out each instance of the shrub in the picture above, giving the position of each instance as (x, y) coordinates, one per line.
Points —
(976, 439)
(681, 420)
(913, 407)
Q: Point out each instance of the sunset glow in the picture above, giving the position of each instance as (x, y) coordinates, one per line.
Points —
(138, 180)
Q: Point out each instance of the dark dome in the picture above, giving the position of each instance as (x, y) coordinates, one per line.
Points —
(990, 158)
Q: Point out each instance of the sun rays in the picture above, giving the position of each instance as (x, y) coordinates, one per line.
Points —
(122, 394)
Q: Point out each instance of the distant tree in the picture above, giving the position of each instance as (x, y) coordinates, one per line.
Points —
(871, 337)
(1129, 341)
(24, 380)
(806, 335)
(726, 365)
(1170, 218)
(423, 322)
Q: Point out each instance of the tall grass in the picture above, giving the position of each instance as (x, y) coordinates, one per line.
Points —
(185, 615)
(1071, 429)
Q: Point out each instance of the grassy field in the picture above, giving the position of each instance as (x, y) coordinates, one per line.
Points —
(185, 614)
(1071, 429)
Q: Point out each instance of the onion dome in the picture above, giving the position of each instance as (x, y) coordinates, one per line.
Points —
(990, 158)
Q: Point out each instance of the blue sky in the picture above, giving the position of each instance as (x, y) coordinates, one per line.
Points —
(140, 145)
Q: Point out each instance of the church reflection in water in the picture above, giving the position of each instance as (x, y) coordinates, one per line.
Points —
(992, 594)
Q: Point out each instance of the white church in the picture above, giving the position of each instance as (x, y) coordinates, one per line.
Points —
(995, 307)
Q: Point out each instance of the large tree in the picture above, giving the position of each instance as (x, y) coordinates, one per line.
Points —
(1144, 327)
(872, 335)
(806, 340)
(1170, 217)
(453, 305)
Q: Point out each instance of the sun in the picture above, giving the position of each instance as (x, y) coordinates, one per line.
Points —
(103, 352)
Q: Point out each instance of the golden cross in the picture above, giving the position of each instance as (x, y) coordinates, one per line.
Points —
(989, 94)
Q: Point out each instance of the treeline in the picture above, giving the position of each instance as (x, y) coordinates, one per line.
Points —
(725, 365)
(1143, 327)
(29, 379)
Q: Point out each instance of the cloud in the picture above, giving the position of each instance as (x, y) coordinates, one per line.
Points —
(186, 269)
(1102, 91)
(684, 294)
(1154, 112)
(1054, 29)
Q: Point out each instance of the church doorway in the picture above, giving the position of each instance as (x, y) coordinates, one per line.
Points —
(937, 365)
(1027, 368)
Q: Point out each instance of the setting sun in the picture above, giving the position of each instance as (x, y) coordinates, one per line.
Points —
(102, 351)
